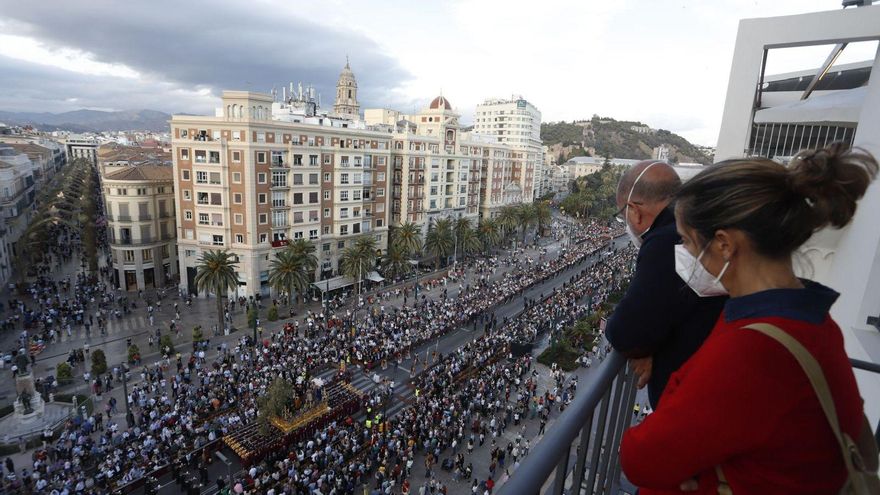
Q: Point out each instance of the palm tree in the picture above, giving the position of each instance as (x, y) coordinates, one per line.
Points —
(543, 215)
(396, 263)
(469, 241)
(408, 237)
(215, 271)
(489, 233)
(289, 272)
(439, 242)
(359, 259)
(526, 214)
(461, 226)
(305, 251)
(508, 219)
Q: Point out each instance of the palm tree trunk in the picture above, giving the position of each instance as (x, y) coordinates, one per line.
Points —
(219, 307)
(290, 296)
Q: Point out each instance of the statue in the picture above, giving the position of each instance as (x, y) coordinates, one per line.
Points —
(21, 361)
(25, 399)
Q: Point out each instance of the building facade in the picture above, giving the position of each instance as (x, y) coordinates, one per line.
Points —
(248, 182)
(17, 193)
(517, 123)
(81, 147)
(139, 205)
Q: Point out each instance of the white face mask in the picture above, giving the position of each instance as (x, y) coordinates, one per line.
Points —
(703, 283)
(635, 238)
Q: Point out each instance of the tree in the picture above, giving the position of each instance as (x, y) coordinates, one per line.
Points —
(252, 316)
(305, 250)
(359, 259)
(99, 362)
(408, 237)
(461, 226)
(289, 272)
(165, 342)
(278, 398)
(134, 353)
(543, 215)
(273, 313)
(508, 219)
(197, 334)
(215, 271)
(63, 371)
(470, 242)
(396, 263)
(526, 215)
(439, 242)
(489, 233)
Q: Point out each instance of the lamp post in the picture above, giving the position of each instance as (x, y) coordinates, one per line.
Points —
(129, 417)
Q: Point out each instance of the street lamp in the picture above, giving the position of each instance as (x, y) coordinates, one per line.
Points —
(129, 417)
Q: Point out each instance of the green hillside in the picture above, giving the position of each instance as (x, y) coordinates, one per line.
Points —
(602, 136)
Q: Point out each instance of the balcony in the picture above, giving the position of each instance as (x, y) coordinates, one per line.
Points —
(128, 241)
(166, 214)
(596, 420)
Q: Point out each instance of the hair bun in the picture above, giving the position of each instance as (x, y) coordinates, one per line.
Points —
(832, 180)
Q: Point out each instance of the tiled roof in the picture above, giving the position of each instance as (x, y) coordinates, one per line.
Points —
(142, 172)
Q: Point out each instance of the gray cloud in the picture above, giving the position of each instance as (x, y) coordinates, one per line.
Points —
(33, 87)
(220, 44)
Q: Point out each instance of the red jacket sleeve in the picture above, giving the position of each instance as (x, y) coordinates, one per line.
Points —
(724, 401)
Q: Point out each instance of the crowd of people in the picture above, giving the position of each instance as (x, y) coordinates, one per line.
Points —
(181, 405)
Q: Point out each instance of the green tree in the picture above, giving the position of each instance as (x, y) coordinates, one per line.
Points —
(278, 398)
(543, 216)
(289, 272)
(134, 353)
(526, 215)
(359, 259)
(63, 371)
(508, 219)
(408, 237)
(440, 242)
(489, 233)
(215, 272)
(165, 342)
(396, 263)
(305, 251)
(273, 313)
(99, 362)
(469, 242)
(197, 334)
(252, 316)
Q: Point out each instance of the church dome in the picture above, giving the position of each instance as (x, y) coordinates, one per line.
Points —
(440, 102)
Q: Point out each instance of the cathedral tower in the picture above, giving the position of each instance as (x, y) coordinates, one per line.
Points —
(346, 104)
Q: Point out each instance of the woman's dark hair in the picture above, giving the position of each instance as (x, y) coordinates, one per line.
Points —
(778, 207)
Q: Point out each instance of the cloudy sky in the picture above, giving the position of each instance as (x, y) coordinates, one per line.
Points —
(664, 62)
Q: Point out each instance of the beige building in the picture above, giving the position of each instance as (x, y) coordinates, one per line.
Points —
(248, 183)
(140, 211)
(517, 123)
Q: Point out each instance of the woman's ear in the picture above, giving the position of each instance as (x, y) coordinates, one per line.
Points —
(726, 243)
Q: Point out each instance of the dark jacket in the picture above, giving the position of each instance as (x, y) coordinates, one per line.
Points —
(660, 315)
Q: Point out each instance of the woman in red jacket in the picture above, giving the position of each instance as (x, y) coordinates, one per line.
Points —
(743, 402)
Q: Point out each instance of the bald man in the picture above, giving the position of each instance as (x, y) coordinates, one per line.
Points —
(660, 322)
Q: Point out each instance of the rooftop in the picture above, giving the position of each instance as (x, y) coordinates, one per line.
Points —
(142, 173)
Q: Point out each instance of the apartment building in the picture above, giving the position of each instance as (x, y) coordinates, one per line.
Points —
(517, 123)
(17, 194)
(139, 201)
(248, 182)
(79, 146)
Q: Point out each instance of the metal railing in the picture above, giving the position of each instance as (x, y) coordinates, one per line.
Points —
(594, 423)
(599, 416)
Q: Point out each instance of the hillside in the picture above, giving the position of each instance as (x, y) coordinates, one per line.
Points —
(602, 136)
(91, 120)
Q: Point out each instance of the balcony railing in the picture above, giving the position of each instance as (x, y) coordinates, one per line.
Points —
(596, 420)
(599, 417)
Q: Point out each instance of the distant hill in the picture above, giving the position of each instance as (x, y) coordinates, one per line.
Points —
(91, 120)
(602, 136)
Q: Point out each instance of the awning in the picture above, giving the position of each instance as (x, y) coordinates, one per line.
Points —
(332, 284)
(375, 277)
(838, 107)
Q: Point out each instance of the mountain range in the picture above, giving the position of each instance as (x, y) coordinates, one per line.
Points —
(91, 120)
